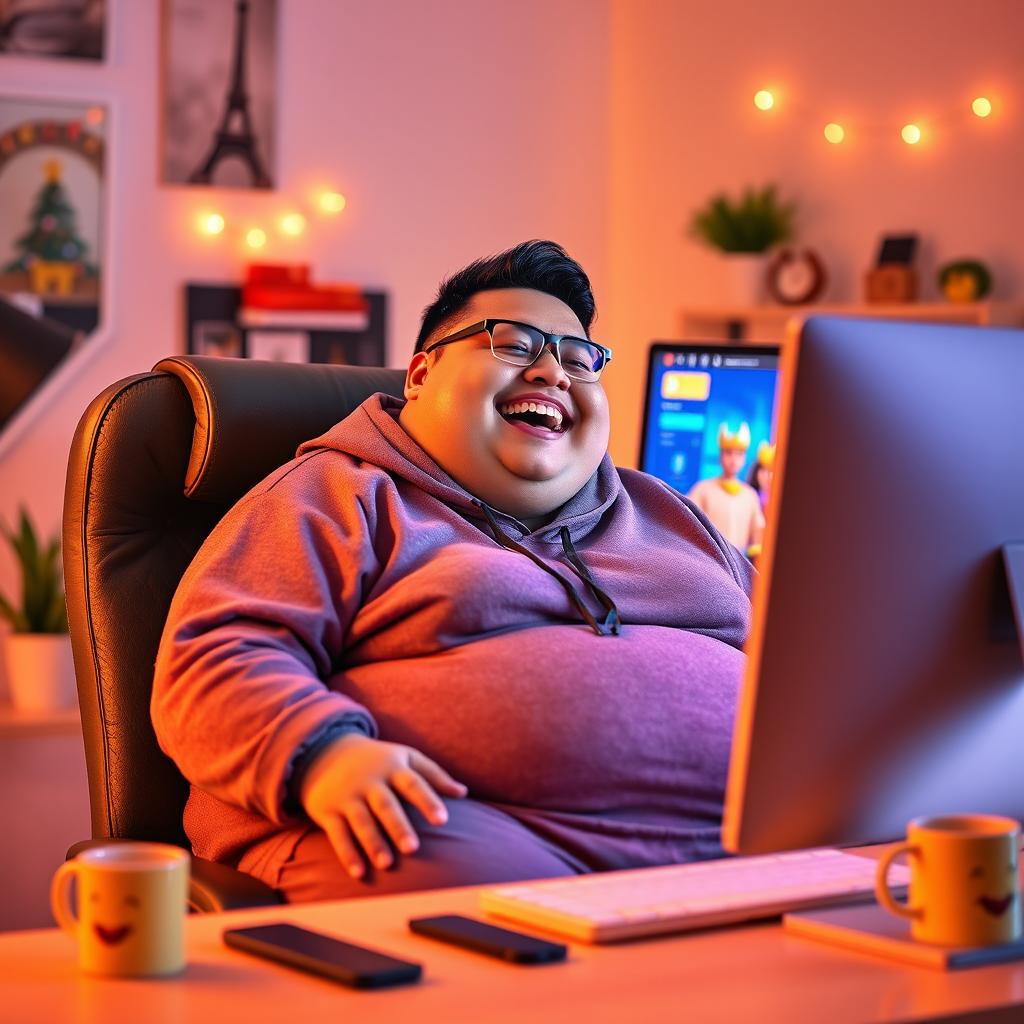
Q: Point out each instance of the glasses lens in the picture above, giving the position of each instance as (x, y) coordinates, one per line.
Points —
(514, 344)
(581, 359)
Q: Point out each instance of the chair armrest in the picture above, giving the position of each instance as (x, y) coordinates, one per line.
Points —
(212, 887)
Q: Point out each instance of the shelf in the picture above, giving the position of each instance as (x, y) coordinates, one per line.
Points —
(768, 322)
(20, 724)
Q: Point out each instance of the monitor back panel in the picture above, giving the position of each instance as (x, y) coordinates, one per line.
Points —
(878, 686)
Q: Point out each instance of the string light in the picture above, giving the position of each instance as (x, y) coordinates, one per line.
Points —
(212, 223)
(331, 202)
(292, 224)
(834, 133)
(911, 134)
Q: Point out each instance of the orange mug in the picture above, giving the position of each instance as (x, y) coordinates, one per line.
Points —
(964, 882)
(132, 901)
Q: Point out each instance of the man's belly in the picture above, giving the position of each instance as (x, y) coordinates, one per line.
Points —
(634, 728)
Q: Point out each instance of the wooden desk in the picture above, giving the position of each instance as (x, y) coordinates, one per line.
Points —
(731, 975)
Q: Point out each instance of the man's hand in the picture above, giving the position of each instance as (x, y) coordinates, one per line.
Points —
(352, 789)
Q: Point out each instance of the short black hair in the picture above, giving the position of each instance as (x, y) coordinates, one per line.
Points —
(541, 265)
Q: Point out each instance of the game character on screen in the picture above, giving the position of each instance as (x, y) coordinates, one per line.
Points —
(763, 472)
(732, 505)
(451, 643)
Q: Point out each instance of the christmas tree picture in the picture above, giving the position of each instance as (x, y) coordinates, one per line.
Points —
(52, 253)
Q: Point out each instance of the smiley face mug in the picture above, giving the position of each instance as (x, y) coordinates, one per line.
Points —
(132, 900)
(964, 883)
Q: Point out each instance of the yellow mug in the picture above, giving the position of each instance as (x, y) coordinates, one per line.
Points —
(964, 883)
(132, 901)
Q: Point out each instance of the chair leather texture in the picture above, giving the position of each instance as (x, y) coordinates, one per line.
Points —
(156, 461)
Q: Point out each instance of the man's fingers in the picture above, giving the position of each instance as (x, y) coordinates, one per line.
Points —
(435, 775)
(362, 823)
(341, 842)
(390, 814)
(417, 791)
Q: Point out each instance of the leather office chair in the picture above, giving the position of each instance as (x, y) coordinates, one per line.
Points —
(157, 459)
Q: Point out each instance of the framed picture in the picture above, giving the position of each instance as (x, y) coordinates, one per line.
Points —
(53, 198)
(219, 83)
(53, 28)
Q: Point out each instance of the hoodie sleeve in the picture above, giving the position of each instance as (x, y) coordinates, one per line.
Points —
(245, 670)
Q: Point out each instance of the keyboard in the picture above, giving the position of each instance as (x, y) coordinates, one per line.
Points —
(615, 905)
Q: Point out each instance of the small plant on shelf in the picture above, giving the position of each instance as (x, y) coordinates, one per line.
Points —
(41, 610)
(752, 224)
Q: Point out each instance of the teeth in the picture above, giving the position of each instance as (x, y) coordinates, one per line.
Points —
(540, 408)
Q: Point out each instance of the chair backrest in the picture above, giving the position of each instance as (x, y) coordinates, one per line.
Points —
(156, 461)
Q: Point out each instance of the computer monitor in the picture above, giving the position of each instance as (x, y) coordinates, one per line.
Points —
(692, 390)
(885, 676)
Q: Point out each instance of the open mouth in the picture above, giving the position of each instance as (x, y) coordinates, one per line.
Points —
(996, 907)
(537, 417)
(112, 936)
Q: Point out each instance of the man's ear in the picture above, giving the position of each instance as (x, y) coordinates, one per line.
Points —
(416, 376)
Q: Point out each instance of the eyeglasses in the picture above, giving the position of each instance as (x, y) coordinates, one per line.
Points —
(522, 345)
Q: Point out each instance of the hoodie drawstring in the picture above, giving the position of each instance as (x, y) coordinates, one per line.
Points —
(612, 623)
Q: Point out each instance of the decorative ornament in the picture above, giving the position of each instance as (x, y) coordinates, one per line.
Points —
(795, 276)
(965, 280)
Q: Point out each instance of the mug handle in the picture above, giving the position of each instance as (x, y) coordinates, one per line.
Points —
(60, 897)
(885, 897)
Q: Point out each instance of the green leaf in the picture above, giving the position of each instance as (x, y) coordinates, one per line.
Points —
(753, 223)
(42, 591)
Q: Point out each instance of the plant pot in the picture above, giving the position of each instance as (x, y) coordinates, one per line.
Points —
(40, 671)
(745, 277)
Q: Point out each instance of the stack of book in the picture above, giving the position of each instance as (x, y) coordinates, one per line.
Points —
(284, 296)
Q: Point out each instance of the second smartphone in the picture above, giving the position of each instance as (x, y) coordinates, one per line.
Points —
(489, 939)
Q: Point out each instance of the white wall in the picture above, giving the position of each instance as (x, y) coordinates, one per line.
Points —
(455, 129)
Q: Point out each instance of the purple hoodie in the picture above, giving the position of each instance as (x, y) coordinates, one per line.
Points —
(360, 582)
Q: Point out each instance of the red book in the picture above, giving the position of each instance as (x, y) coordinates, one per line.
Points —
(289, 287)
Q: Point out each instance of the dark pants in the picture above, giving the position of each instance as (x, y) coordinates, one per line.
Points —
(479, 845)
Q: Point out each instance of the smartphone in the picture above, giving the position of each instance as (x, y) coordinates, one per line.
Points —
(322, 954)
(489, 939)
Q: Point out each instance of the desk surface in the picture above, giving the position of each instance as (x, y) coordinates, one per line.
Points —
(756, 973)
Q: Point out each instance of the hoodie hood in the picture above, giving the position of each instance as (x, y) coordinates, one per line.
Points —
(372, 434)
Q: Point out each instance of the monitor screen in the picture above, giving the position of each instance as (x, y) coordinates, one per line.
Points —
(884, 674)
(708, 431)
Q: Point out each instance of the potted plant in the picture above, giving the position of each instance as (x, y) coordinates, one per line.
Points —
(40, 670)
(744, 230)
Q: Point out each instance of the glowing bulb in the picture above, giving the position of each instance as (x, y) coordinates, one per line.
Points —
(95, 115)
(331, 202)
(834, 133)
(764, 100)
(293, 224)
(911, 134)
(211, 223)
(982, 106)
(256, 238)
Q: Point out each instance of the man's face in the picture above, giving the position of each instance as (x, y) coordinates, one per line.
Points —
(732, 461)
(453, 402)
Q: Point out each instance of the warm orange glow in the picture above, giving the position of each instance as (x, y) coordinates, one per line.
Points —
(256, 238)
(293, 224)
(94, 115)
(211, 223)
(834, 133)
(982, 106)
(911, 134)
(764, 100)
(331, 202)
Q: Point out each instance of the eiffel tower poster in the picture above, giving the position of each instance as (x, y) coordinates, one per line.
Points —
(219, 92)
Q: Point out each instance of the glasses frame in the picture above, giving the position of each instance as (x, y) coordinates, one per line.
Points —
(552, 340)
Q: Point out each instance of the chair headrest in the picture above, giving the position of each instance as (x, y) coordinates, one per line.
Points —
(252, 415)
